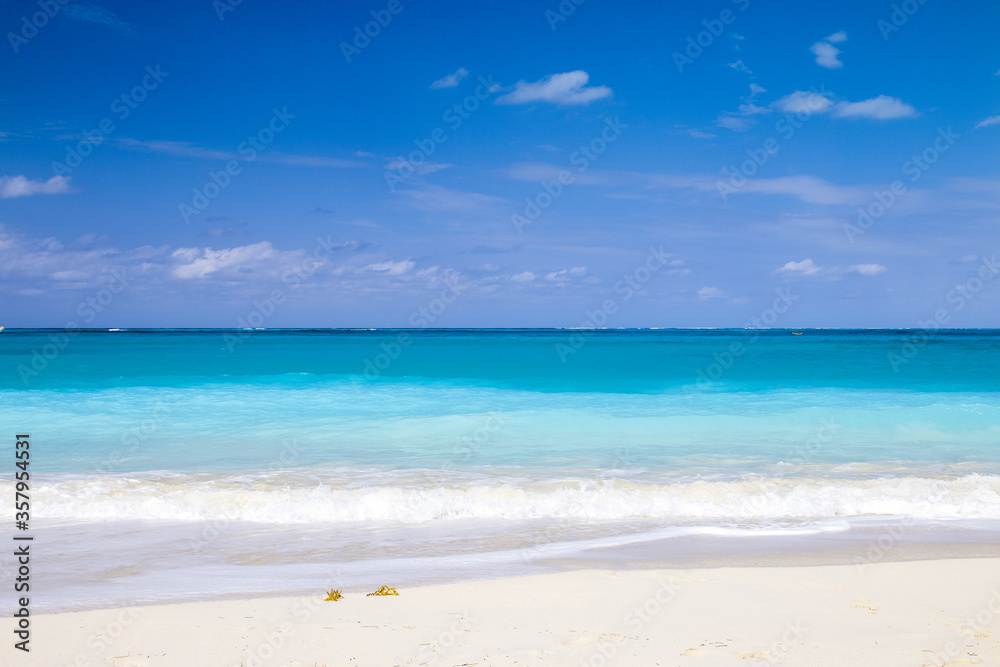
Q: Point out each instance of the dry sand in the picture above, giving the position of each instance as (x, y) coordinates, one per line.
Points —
(938, 612)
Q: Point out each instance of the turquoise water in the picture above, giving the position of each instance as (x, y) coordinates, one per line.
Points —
(472, 437)
(676, 401)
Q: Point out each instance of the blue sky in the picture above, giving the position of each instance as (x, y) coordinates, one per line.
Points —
(499, 164)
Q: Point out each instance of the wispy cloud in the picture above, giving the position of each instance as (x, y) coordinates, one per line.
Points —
(867, 269)
(569, 88)
(825, 51)
(421, 169)
(882, 107)
(740, 66)
(809, 189)
(697, 134)
(20, 186)
(740, 120)
(706, 293)
(452, 79)
(804, 102)
(437, 198)
(85, 12)
(992, 120)
(187, 149)
(392, 268)
(804, 268)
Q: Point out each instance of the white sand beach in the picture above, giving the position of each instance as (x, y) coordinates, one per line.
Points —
(932, 612)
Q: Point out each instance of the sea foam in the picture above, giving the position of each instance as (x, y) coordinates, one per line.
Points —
(304, 499)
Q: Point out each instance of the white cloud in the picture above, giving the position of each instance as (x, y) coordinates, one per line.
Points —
(19, 186)
(992, 120)
(739, 66)
(451, 80)
(739, 120)
(392, 268)
(565, 274)
(421, 169)
(436, 198)
(806, 268)
(809, 189)
(525, 277)
(698, 134)
(187, 149)
(867, 269)
(826, 55)
(706, 293)
(735, 123)
(566, 88)
(802, 101)
(546, 171)
(201, 262)
(825, 51)
(64, 270)
(882, 107)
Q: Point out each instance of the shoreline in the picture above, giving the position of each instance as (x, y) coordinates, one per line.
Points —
(252, 561)
(895, 613)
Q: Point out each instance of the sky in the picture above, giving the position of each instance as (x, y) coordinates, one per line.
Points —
(402, 163)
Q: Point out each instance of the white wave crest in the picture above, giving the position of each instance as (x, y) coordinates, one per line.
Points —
(972, 496)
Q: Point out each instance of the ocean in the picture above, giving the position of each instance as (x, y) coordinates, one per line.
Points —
(194, 464)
